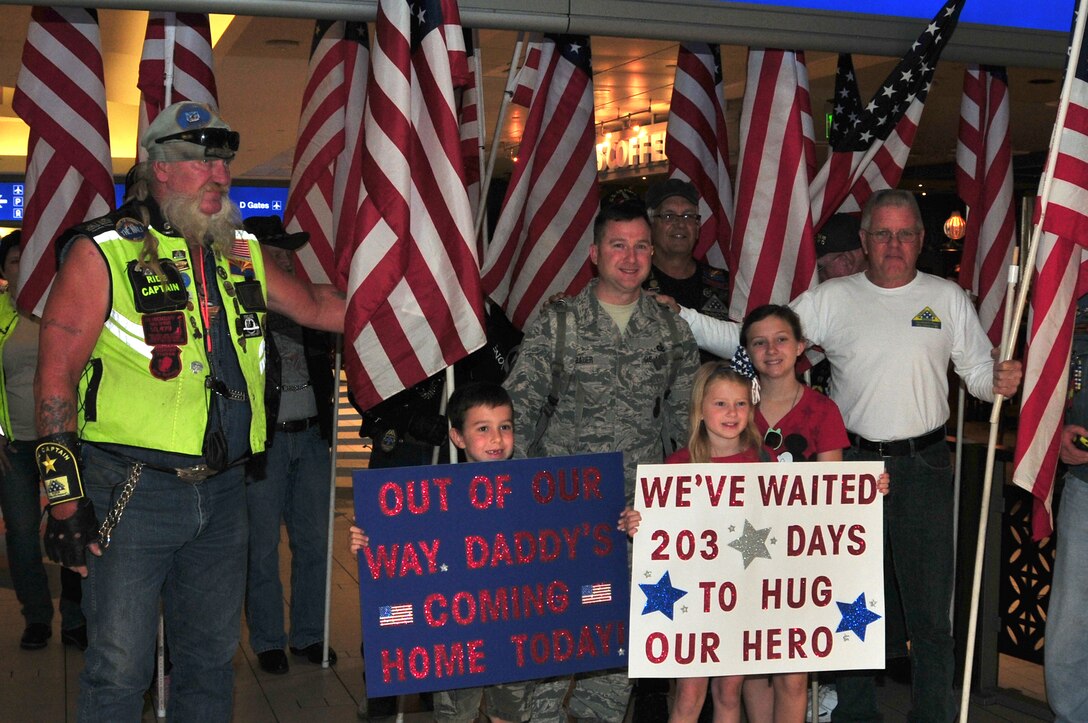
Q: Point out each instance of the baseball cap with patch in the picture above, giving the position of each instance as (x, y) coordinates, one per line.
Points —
(658, 192)
(189, 131)
(839, 234)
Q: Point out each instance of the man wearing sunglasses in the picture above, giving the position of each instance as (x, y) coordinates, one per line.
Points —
(150, 399)
(890, 334)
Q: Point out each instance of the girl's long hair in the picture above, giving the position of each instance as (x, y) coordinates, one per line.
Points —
(699, 441)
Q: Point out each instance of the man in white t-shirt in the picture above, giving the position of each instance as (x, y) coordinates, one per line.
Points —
(889, 334)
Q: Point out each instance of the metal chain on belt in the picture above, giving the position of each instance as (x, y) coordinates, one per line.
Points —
(114, 515)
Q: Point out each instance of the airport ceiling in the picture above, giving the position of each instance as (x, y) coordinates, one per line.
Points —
(261, 64)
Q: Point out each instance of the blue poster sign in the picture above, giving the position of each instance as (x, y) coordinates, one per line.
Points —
(491, 572)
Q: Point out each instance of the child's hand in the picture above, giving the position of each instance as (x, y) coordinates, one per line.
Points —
(629, 522)
(883, 482)
(358, 541)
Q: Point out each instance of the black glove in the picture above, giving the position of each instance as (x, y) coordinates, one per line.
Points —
(66, 540)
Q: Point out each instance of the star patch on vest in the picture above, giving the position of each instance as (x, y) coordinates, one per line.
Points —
(926, 319)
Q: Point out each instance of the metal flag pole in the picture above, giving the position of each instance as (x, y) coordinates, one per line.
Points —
(332, 499)
(1008, 343)
(507, 96)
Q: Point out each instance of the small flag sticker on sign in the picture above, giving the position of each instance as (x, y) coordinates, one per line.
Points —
(599, 592)
(395, 615)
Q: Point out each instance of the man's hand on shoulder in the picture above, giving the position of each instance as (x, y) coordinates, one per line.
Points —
(665, 300)
(1069, 452)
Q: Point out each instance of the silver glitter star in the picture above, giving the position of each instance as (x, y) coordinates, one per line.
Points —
(752, 544)
(444, 567)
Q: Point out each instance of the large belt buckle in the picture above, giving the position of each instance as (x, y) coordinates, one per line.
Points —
(196, 473)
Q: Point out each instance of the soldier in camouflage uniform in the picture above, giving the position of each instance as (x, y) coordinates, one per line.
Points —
(623, 383)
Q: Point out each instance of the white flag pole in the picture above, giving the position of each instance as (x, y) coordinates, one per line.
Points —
(1008, 343)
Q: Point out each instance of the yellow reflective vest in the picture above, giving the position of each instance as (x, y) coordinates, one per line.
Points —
(145, 383)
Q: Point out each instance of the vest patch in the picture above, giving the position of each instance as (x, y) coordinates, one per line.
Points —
(926, 319)
(249, 326)
(166, 328)
(130, 229)
(165, 362)
(250, 295)
(152, 293)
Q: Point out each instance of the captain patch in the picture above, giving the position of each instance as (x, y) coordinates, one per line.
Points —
(926, 319)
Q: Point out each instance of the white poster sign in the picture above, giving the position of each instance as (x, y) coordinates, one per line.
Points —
(757, 568)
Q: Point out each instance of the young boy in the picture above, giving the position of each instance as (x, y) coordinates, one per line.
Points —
(482, 424)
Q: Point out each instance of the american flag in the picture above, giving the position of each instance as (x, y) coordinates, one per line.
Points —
(395, 615)
(326, 186)
(598, 592)
(698, 147)
(69, 173)
(773, 254)
(541, 242)
(871, 156)
(1061, 278)
(470, 116)
(176, 65)
(984, 182)
(846, 111)
(412, 278)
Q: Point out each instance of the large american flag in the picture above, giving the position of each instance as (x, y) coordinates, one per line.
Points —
(470, 116)
(773, 254)
(176, 65)
(541, 242)
(697, 145)
(1061, 278)
(984, 182)
(326, 178)
(412, 278)
(69, 173)
(872, 154)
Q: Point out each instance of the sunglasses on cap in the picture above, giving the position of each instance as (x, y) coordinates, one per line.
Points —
(218, 138)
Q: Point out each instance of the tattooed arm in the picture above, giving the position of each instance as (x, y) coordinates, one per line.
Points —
(73, 319)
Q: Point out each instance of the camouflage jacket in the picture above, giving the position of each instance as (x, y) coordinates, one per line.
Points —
(615, 397)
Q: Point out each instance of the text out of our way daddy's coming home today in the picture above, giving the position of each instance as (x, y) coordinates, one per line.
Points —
(491, 572)
(757, 568)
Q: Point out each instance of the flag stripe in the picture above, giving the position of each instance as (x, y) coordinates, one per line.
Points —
(61, 95)
(698, 147)
(541, 242)
(773, 253)
(326, 180)
(412, 277)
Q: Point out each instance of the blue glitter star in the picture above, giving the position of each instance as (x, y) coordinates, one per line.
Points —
(855, 616)
(661, 595)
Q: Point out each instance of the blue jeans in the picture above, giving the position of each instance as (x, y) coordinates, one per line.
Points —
(1066, 652)
(296, 490)
(918, 565)
(183, 543)
(20, 501)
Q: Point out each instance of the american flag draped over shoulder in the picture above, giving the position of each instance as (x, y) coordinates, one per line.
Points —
(773, 254)
(414, 299)
(984, 182)
(698, 147)
(541, 242)
(326, 179)
(871, 156)
(1061, 278)
(61, 96)
(176, 65)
